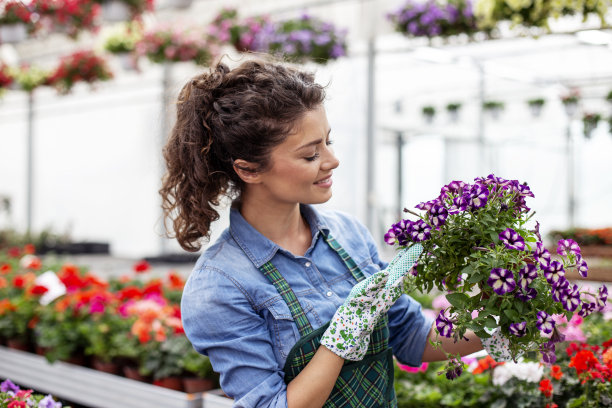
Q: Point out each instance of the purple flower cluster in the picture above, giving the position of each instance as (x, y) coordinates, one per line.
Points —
(305, 37)
(512, 240)
(433, 18)
(407, 231)
(444, 324)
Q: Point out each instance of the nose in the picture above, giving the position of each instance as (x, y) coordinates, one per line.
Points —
(330, 161)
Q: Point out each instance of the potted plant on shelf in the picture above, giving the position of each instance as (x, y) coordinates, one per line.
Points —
(199, 374)
(434, 18)
(6, 78)
(122, 43)
(570, 102)
(493, 107)
(590, 120)
(453, 110)
(164, 360)
(68, 17)
(81, 66)
(535, 106)
(303, 39)
(15, 21)
(28, 78)
(226, 27)
(429, 112)
(167, 43)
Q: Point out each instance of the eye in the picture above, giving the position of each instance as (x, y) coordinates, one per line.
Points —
(329, 142)
(313, 157)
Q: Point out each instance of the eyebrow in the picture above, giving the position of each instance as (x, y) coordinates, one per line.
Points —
(313, 143)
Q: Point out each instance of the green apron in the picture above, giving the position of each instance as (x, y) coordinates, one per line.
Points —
(366, 383)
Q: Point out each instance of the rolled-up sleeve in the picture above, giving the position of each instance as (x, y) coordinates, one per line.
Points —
(408, 327)
(220, 321)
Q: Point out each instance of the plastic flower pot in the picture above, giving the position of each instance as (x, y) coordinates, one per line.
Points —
(173, 383)
(195, 384)
(570, 107)
(18, 344)
(13, 33)
(132, 373)
(115, 11)
(128, 61)
(110, 367)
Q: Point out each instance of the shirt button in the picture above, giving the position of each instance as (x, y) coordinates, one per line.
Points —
(307, 264)
(328, 294)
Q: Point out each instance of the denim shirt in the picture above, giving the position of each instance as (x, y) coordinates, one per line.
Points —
(233, 314)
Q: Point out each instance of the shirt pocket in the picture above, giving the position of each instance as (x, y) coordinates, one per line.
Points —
(282, 327)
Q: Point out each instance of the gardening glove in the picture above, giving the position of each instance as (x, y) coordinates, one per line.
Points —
(348, 334)
(497, 346)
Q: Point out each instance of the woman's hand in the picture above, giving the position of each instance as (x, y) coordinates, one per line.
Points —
(349, 332)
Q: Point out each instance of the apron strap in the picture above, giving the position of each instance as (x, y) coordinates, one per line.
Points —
(283, 288)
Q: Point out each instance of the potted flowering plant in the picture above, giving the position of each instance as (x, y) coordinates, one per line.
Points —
(535, 105)
(301, 39)
(434, 19)
(570, 101)
(167, 43)
(12, 396)
(81, 66)
(6, 79)
(453, 110)
(15, 21)
(228, 28)
(494, 107)
(478, 246)
(122, 43)
(28, 78)
(428, 113)
(590, 120)
(165, 361)
(69, 17)
(199, 374)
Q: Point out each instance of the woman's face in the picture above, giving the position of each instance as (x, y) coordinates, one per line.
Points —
(301, 167)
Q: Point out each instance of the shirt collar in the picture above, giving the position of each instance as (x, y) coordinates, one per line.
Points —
(257, 247)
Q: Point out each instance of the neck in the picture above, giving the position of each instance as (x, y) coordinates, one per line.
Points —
(281, 224)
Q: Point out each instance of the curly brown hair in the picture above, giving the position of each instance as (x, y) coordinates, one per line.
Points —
(224, 115)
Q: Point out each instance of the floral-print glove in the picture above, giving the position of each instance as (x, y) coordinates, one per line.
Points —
(497, 346)
(348, 334)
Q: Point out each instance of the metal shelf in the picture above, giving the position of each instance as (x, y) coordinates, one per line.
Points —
(94, 388)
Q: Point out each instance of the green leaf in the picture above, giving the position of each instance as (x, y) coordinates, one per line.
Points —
(476, 278)
(490, 322)
(512, 315)
(482, 334)
(531, 239)
(458, 300)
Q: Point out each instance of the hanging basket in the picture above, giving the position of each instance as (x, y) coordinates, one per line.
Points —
(115, 11)
(13, 33)
(128, 61)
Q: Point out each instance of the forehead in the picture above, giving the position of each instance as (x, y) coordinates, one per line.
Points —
(311, 127)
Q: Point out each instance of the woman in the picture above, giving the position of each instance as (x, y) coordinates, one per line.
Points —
(282, 270)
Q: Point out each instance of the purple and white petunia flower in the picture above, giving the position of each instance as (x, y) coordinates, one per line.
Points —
(540, 251)
(478, 196)
(419, 231)
(602, 297)
(427, 205)
(460, 204)
(527, 275)
(570, 298)
(525, 294)
(518, 329)
(455, 187)
(512, 240)
(548, 352)
(559, 288)
(582, 267)
(545, 322)
(444, 324)
(554, 272)
(501, 280)
(399, 232)
(438, 215)
(587, 308)
(565, 247)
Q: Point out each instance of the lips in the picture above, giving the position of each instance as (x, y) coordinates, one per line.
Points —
(324, 181)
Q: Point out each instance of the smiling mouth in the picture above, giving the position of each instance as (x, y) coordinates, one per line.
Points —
(325, 180)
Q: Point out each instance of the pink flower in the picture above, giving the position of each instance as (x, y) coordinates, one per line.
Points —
(409, 369)
(440, 302)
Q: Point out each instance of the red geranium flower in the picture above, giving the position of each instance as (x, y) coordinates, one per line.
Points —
(141, 267)
(38, 290)
(5, 269)
(556, 372)
(546, 387)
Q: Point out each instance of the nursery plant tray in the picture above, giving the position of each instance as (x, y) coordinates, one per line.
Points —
(94, 388)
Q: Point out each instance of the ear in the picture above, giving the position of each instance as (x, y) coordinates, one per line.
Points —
(247, 171)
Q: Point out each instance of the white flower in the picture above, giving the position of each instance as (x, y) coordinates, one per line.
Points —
(530, 372)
